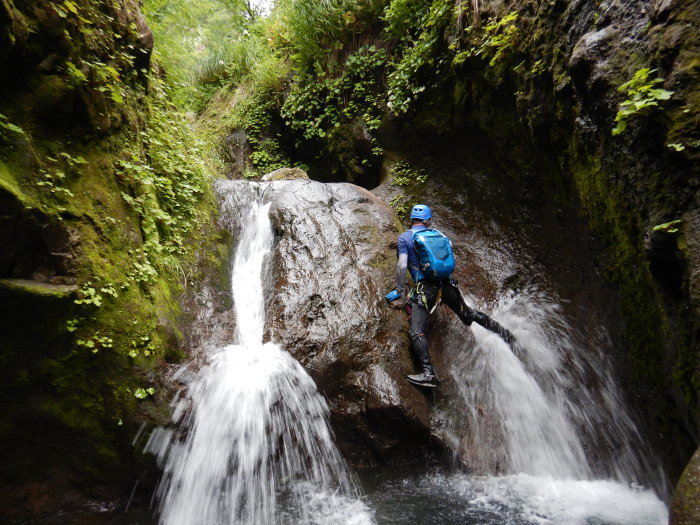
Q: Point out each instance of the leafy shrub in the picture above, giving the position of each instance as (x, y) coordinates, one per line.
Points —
(317, 27)
(642, 97)
(318, 105)
(419, 61)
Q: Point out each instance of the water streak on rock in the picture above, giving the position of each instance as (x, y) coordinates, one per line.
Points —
(253, 444)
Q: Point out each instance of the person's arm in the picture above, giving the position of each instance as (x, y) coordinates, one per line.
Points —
(401, 267)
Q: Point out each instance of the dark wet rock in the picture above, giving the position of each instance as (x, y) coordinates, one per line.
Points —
(685, 509)
(237, 152)
(55, 99)
(96, 110)
(285, 174)
(36, 246)
(333, 261)
(588, 58)
(551, 134)
(144, 39)
(8, 22)
(347, 155)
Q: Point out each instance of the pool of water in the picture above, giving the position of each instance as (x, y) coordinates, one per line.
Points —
(446, 498)
(438, 497)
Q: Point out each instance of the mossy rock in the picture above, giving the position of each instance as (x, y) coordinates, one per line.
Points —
(685, 508)
(285, 174)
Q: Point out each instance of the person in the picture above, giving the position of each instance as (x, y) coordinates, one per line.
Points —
(425, 297)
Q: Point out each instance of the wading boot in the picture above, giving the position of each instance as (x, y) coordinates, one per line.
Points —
(425, 379)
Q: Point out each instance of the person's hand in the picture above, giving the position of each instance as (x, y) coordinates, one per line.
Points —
(396, 299)
(392, 296)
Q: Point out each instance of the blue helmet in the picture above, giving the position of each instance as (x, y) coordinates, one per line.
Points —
(421, 212)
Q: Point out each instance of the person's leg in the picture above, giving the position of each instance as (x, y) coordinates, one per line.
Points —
(452, 298)
(422, 301)
(419, 342)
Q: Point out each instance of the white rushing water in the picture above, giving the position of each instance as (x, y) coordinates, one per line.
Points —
(518, 499)
(253, 444)
(552, 421)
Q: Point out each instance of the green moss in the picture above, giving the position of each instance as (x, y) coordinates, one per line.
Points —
(53, 291)
(130, 189)
(646, 325)
(8, 182)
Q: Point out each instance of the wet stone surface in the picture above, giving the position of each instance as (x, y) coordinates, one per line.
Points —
(333, 260)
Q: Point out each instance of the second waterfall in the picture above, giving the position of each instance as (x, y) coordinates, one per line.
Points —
(253, 443)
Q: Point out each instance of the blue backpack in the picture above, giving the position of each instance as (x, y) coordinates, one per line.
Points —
(434, 251)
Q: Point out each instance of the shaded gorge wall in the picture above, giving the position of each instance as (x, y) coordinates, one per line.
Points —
(101, 185)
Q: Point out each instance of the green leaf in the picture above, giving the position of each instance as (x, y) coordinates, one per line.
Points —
(117, 96)
(668, 227)
(140, 393)
(661, 94)
(12, 127)
(621, 126)
(71, 7)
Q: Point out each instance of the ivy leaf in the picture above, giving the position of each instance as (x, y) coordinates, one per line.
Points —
(71, 7)
(668, 227)
(661, 94)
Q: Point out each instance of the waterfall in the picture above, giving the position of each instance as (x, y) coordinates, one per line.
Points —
(253, 443)
(554, 405)
(542, 429)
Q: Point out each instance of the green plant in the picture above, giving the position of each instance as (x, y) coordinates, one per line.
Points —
(72, 325)
(314, 28)
(75, 76)
(420, 61)
(89, 295)
(538, 68)
(96, 342)
(197, 43)
(668, 227)
(51, 180)
(318, 105)
(9, 126)
(144, 345)
(404, 175)
(642, 97)
(676, 146)
(143, 393)
(401, 204)
(497, 39)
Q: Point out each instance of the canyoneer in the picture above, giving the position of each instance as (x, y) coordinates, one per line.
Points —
(427, 255)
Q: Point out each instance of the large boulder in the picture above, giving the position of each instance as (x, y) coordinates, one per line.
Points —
(685, 509)
(333, 261)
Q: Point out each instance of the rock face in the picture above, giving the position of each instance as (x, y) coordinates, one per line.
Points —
(334, 259)
(285, 174)
(685, 509)
(73, 98)
(549, 131)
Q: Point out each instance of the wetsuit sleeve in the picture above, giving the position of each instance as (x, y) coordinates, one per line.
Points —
(402, 245)
(401, 267)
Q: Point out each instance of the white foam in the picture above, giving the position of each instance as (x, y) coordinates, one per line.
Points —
(560, 502)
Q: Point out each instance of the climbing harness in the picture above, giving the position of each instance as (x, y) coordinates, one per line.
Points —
(419, 292)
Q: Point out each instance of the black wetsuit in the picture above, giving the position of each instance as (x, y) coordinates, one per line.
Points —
(424, 296)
